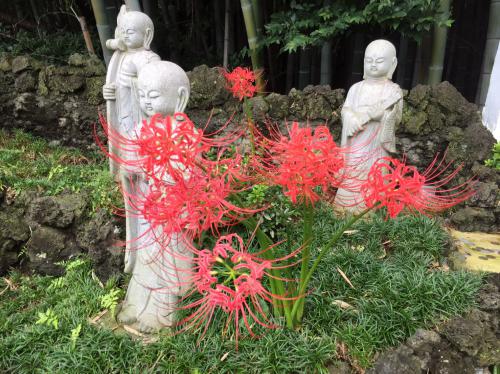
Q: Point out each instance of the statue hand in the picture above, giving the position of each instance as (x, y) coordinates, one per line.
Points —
(354, 129)
(376, 113)
(109, 91)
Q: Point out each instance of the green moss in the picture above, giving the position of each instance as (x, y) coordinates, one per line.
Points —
(93, 90)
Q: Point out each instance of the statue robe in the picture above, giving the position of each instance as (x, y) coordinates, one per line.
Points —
(376, 139)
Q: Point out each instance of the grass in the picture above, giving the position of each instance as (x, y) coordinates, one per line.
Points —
(29, 163)
(394, 267)
(397, 290)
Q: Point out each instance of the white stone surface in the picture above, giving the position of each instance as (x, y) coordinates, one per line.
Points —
(370, 114)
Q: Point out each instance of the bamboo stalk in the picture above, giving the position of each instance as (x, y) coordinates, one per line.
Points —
(227, 15)
(133, 5)
(246, 7)
(103, 28)
(439, 47)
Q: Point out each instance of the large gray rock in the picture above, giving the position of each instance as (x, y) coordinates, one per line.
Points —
(99, 237)
(20, 63)
(14, 232)
(48, 246)
(208, 88)
(400, 360)
(57, 211)
(476, 335)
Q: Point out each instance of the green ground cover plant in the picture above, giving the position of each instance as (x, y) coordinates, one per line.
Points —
(30, 163)
(396, 288)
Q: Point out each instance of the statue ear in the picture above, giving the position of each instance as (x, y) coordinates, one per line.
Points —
(148, 38)
(393, 67)
(182, 99)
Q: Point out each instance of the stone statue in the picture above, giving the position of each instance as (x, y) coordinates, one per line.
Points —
(133, 36)
(372, 110)
(159, 269)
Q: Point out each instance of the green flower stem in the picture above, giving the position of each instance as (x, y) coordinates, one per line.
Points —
(265, 242)
(248, 114)
(308, 218)
(277, 286)
(324, 250)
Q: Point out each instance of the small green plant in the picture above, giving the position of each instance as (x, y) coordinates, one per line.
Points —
(494, 161)
(48, 318)
(57, 283)
(72, 265)
(110, 300)
(257, 194)
(75, 333)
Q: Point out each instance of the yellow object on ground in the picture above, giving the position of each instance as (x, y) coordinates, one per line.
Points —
(476, 251)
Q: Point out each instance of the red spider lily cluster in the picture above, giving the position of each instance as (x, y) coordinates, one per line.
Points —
(394, 185)
(241, 82)
(189, 193)
(303, 161)
(231, 279)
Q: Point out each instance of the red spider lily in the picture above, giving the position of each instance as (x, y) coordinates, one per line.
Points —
(305, 160)
(230, 278)
(192, 205)
(169, 147)
(397, 186)
(165, 147)
(241, 82)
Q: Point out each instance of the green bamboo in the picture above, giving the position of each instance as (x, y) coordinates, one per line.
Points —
(248, 16)
(103, 27)
(324, 250)
(133, 5)
(439, 47)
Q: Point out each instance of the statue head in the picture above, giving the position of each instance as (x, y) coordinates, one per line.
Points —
(163, 87)
(136, 29)
(380, 60)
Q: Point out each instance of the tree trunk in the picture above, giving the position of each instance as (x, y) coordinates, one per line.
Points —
(218, 29)
(103, 27)
(304, 68)
(86, 35)
(150, 8)
(34, 10)
(290, 71)
(326, 58)
(227, 17)
(326, 63)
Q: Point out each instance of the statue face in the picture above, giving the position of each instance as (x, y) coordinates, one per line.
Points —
(378, 62)
(133, 36)
(153, 99)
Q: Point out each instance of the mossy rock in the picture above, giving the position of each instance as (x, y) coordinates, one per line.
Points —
(93, 90)
(413, 121)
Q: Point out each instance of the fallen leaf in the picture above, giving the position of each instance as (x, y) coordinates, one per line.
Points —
(342, 304)
(96, 278)
(133, 331)
(342, 274)
(350, 232)
(98, 317)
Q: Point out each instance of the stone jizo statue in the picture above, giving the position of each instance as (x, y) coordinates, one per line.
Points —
(372, 110)
(133, 36)
(159, 270)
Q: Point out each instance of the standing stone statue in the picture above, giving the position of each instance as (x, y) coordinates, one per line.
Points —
(159, 269)
(372, 110)
(133, 36)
